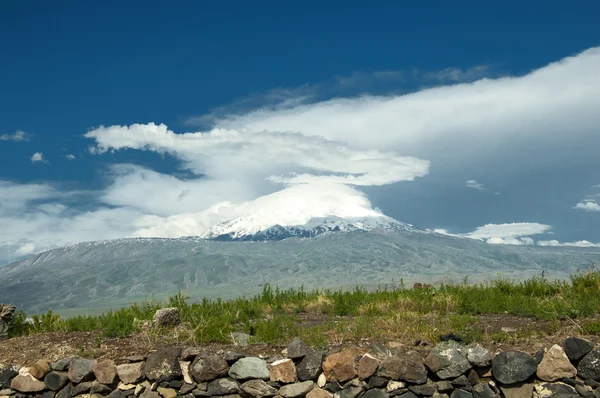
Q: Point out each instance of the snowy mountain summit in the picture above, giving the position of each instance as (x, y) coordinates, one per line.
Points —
(243, 229)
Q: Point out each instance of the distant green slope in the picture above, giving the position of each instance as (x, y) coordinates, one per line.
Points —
(101, 275)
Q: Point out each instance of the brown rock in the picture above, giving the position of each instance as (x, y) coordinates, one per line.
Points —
(167, 392)
(40, 369)
(105, 371)
(318, 393)
(555, 365)
(367, 366)
(339, 367)
(408, 367)
(131, 373)
(283, 370)
(27, 383)
(518, 391)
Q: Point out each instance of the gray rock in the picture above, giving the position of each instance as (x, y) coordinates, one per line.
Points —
(99, 388)
(589, 366)
(425, 390)
(447, 362)
(223, 386)
(166, 317)
(444, 386)
(48, 394)
(460, 382)
(66, 392)
(150, 394)
(134, 358)
(208, 368)
(249, 368)
(115, 394)
(297, 349)
(83, 387)
(7, 313)
(408, 394)
(483, 390)
(332, 387)
(56, 380)
(408, 367)
(377, 382)
(6, 376)
(310, 366)
(81, 370)
(231, 357)
(163, 365)
(461, 394)
(513, 367)
(479, 356)
(62, 364)
(379, 351)
(375, 393)
(258, 388)
(190, 353)
(577, 348)
(200, 393)
(186, 388)
(350, 392)
(297, 389)
(241, 339)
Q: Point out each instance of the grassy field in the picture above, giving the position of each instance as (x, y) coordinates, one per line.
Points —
(321, 317)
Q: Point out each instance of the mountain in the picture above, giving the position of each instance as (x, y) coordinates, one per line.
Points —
(247, 229)
(99, 275)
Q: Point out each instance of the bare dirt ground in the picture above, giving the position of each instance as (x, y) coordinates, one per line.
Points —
(514, 330)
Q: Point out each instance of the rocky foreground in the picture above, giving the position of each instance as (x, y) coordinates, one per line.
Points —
(449, 369)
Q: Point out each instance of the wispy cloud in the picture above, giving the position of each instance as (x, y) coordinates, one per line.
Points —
(504, 234)
(70, 156)
(475, 185)
(18, 136)
(588, 205)
(456, 75)
(580, 243)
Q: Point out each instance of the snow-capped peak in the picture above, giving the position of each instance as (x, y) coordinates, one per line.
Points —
(244, 229)
(300, 210)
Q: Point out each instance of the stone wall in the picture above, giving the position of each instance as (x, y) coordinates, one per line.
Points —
(447, 370)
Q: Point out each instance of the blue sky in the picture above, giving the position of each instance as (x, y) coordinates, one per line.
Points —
(70, 67)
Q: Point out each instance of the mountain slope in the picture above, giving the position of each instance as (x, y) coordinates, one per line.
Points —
(100, 275)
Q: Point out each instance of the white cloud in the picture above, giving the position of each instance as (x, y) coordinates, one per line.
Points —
(221, 153)
(475, 185)
(37, 157)
(580, 243)
(295, 205)
(504, 234)
(588, 205)
(70, 156)
(463, 125)
(18, 136)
